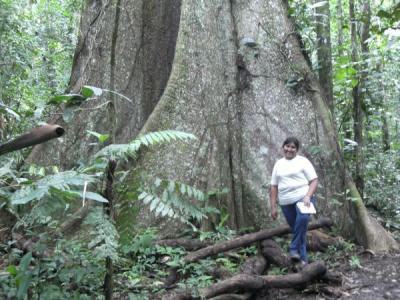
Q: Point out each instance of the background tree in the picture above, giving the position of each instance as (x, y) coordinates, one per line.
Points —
(324, 52)
(37, 40)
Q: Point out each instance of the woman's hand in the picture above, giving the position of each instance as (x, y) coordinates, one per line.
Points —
(307, 200)
(274, 213)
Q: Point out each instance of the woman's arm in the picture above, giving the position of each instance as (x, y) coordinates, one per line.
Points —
(273, 194)
(312, 188)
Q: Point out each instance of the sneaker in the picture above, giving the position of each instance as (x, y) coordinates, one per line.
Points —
(294, 256)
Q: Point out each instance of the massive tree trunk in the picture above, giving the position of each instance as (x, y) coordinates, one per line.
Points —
(236, 79)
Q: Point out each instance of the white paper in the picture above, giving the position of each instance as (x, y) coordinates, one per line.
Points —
(306, 210)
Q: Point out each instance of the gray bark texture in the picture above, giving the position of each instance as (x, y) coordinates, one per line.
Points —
(232, 73)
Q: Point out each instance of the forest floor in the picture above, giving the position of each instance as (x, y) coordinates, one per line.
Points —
(373, 277)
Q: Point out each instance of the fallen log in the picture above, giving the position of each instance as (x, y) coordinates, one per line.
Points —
(248, 239)
(332, 278)
(246, 282)
(254, 265)
(244, 296)
(320, 241)
(189, 245)
(274, 254)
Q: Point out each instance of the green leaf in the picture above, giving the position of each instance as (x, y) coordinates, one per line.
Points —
(160, 208)
(142, 195)
(165, 211)
(183, 189)
(154, 204)
(68, 114)
(148, 199)
(157, 182)
(171, 186)
(25, 262)
(88, 91)
(12, 270)
(26, 195)
(23, 284)
(341, 74)
(101, 137)
(92, 196)
(354, 82)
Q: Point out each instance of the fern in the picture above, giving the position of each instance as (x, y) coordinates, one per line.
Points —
(61, 182)
(175, 200)
(123, 151)
(104, 235)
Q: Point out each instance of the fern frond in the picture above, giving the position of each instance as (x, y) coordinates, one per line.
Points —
(123, 151)
(104, 235)
(62, 181)
(177, 200)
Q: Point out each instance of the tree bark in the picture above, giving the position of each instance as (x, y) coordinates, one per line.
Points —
(324, 52)
(358, 103)
(108, 193)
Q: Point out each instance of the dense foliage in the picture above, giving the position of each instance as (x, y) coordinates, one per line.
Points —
(37, 41)
(381, 106)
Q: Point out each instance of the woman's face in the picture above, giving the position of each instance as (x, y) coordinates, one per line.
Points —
(289, 150)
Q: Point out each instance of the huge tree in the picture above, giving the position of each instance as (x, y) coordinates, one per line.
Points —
(232, 73)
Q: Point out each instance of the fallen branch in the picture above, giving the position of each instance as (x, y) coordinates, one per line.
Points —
(248, 239)
(245, 282)
(274, 254)
(320, 241)
(254, 265)
(35, 136)
(244, 296)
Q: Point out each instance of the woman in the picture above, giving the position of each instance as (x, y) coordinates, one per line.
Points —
(293, 180)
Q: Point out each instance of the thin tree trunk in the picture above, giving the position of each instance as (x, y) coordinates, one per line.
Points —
(324, 52)
(108, 286)
(358, 113)
(385, 125)
(385, 131)
(346, 118)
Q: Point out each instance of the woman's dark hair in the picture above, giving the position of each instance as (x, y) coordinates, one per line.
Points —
(292, 140)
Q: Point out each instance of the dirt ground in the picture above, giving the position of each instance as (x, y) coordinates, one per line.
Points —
(377, 277)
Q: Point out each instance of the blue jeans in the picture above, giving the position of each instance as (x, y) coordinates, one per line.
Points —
(298, 222)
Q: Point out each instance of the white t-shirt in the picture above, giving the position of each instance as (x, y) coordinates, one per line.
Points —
(292, 177)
